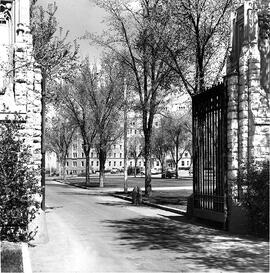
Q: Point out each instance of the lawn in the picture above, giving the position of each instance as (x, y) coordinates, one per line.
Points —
(171, 197)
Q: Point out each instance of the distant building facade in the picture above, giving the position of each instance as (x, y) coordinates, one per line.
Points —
(115, 158)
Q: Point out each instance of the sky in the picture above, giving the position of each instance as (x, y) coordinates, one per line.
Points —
(79, 16)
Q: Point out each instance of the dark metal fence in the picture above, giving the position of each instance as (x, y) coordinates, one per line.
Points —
(209, 146)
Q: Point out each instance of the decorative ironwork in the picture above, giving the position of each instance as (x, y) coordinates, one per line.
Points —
(209, 145)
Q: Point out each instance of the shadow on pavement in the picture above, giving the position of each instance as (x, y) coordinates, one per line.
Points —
(116, 204)
(210, 248)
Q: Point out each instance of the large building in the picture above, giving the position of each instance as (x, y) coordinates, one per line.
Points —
(115, 158)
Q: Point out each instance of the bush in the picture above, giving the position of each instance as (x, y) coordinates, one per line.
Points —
(256, 198)
(18, 186)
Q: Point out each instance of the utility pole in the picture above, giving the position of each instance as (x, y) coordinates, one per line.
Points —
(125, 139)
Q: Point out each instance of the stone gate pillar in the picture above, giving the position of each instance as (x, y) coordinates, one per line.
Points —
(248, 127)
(20, 89)
(20, 83)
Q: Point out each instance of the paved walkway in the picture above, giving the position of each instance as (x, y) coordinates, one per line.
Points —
(94, 232)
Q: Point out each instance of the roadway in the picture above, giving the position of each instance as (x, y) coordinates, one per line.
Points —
(91, 231)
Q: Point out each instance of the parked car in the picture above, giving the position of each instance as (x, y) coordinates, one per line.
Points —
(169, 173)
(115, 170)
(155, 170)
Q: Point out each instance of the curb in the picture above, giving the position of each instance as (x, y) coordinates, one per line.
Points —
(26, 259)
(147, 203)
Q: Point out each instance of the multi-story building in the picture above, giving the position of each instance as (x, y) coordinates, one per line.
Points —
(115, 157)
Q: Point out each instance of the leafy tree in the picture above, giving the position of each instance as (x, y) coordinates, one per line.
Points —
(18, 185)
(75, 101)
(135, 149)
(136, 35)
(105, 101)
(161, 144)
(59, 134)
(200, 32)
(55, 56)
(178, 128)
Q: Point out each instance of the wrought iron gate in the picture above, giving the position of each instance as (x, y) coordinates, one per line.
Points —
(209, 146)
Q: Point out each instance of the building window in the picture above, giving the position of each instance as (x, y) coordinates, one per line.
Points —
(130, 163)
(110, 163)
(186, 154)
(82, 154)
(75, 155)
(82, 163)
(74, 146)
(140, 163)
(67, 154)
(120, 163)
(120, 155)
(120, 147)
(92, 154)
(97, 163)
(74, 163)
(114, 146)
(183, 163)
(157, 164)
(67, 164)
(156, 123)
(114, 155)
(135, 132)
(114, 163)
(74, 171)
(187, 163)
(92, 163)
(110, 154)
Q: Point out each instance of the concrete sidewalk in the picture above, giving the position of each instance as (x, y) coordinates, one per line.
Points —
(92, 232)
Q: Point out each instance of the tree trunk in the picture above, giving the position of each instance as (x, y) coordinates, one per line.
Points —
(125, 142)
(176, 157)
(64, 169)
(87, 167)
(162, 168)
(135, 163)
(147, 156)
(43, 150)
(102, 160)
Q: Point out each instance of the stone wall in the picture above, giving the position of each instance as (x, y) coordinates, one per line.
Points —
(248, 126)
(21, 78)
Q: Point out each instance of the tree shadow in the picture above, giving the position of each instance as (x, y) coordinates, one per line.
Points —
(49, 209)
(113, 204)
(208, 247)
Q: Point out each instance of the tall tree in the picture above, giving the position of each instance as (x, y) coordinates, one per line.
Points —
(161, 143)
(75, 100)
(105, 101)
(179, 137)
(135, 149)
(200, 32)
(55, 56)
(59, 134)
(136, 36)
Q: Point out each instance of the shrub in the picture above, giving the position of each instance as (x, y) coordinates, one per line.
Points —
(256, 198)
(18, 185)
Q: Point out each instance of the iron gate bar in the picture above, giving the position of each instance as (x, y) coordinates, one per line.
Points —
(209, 144)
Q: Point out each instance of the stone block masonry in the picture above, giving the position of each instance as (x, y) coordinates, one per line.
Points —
(248, 125)
(20, 77)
